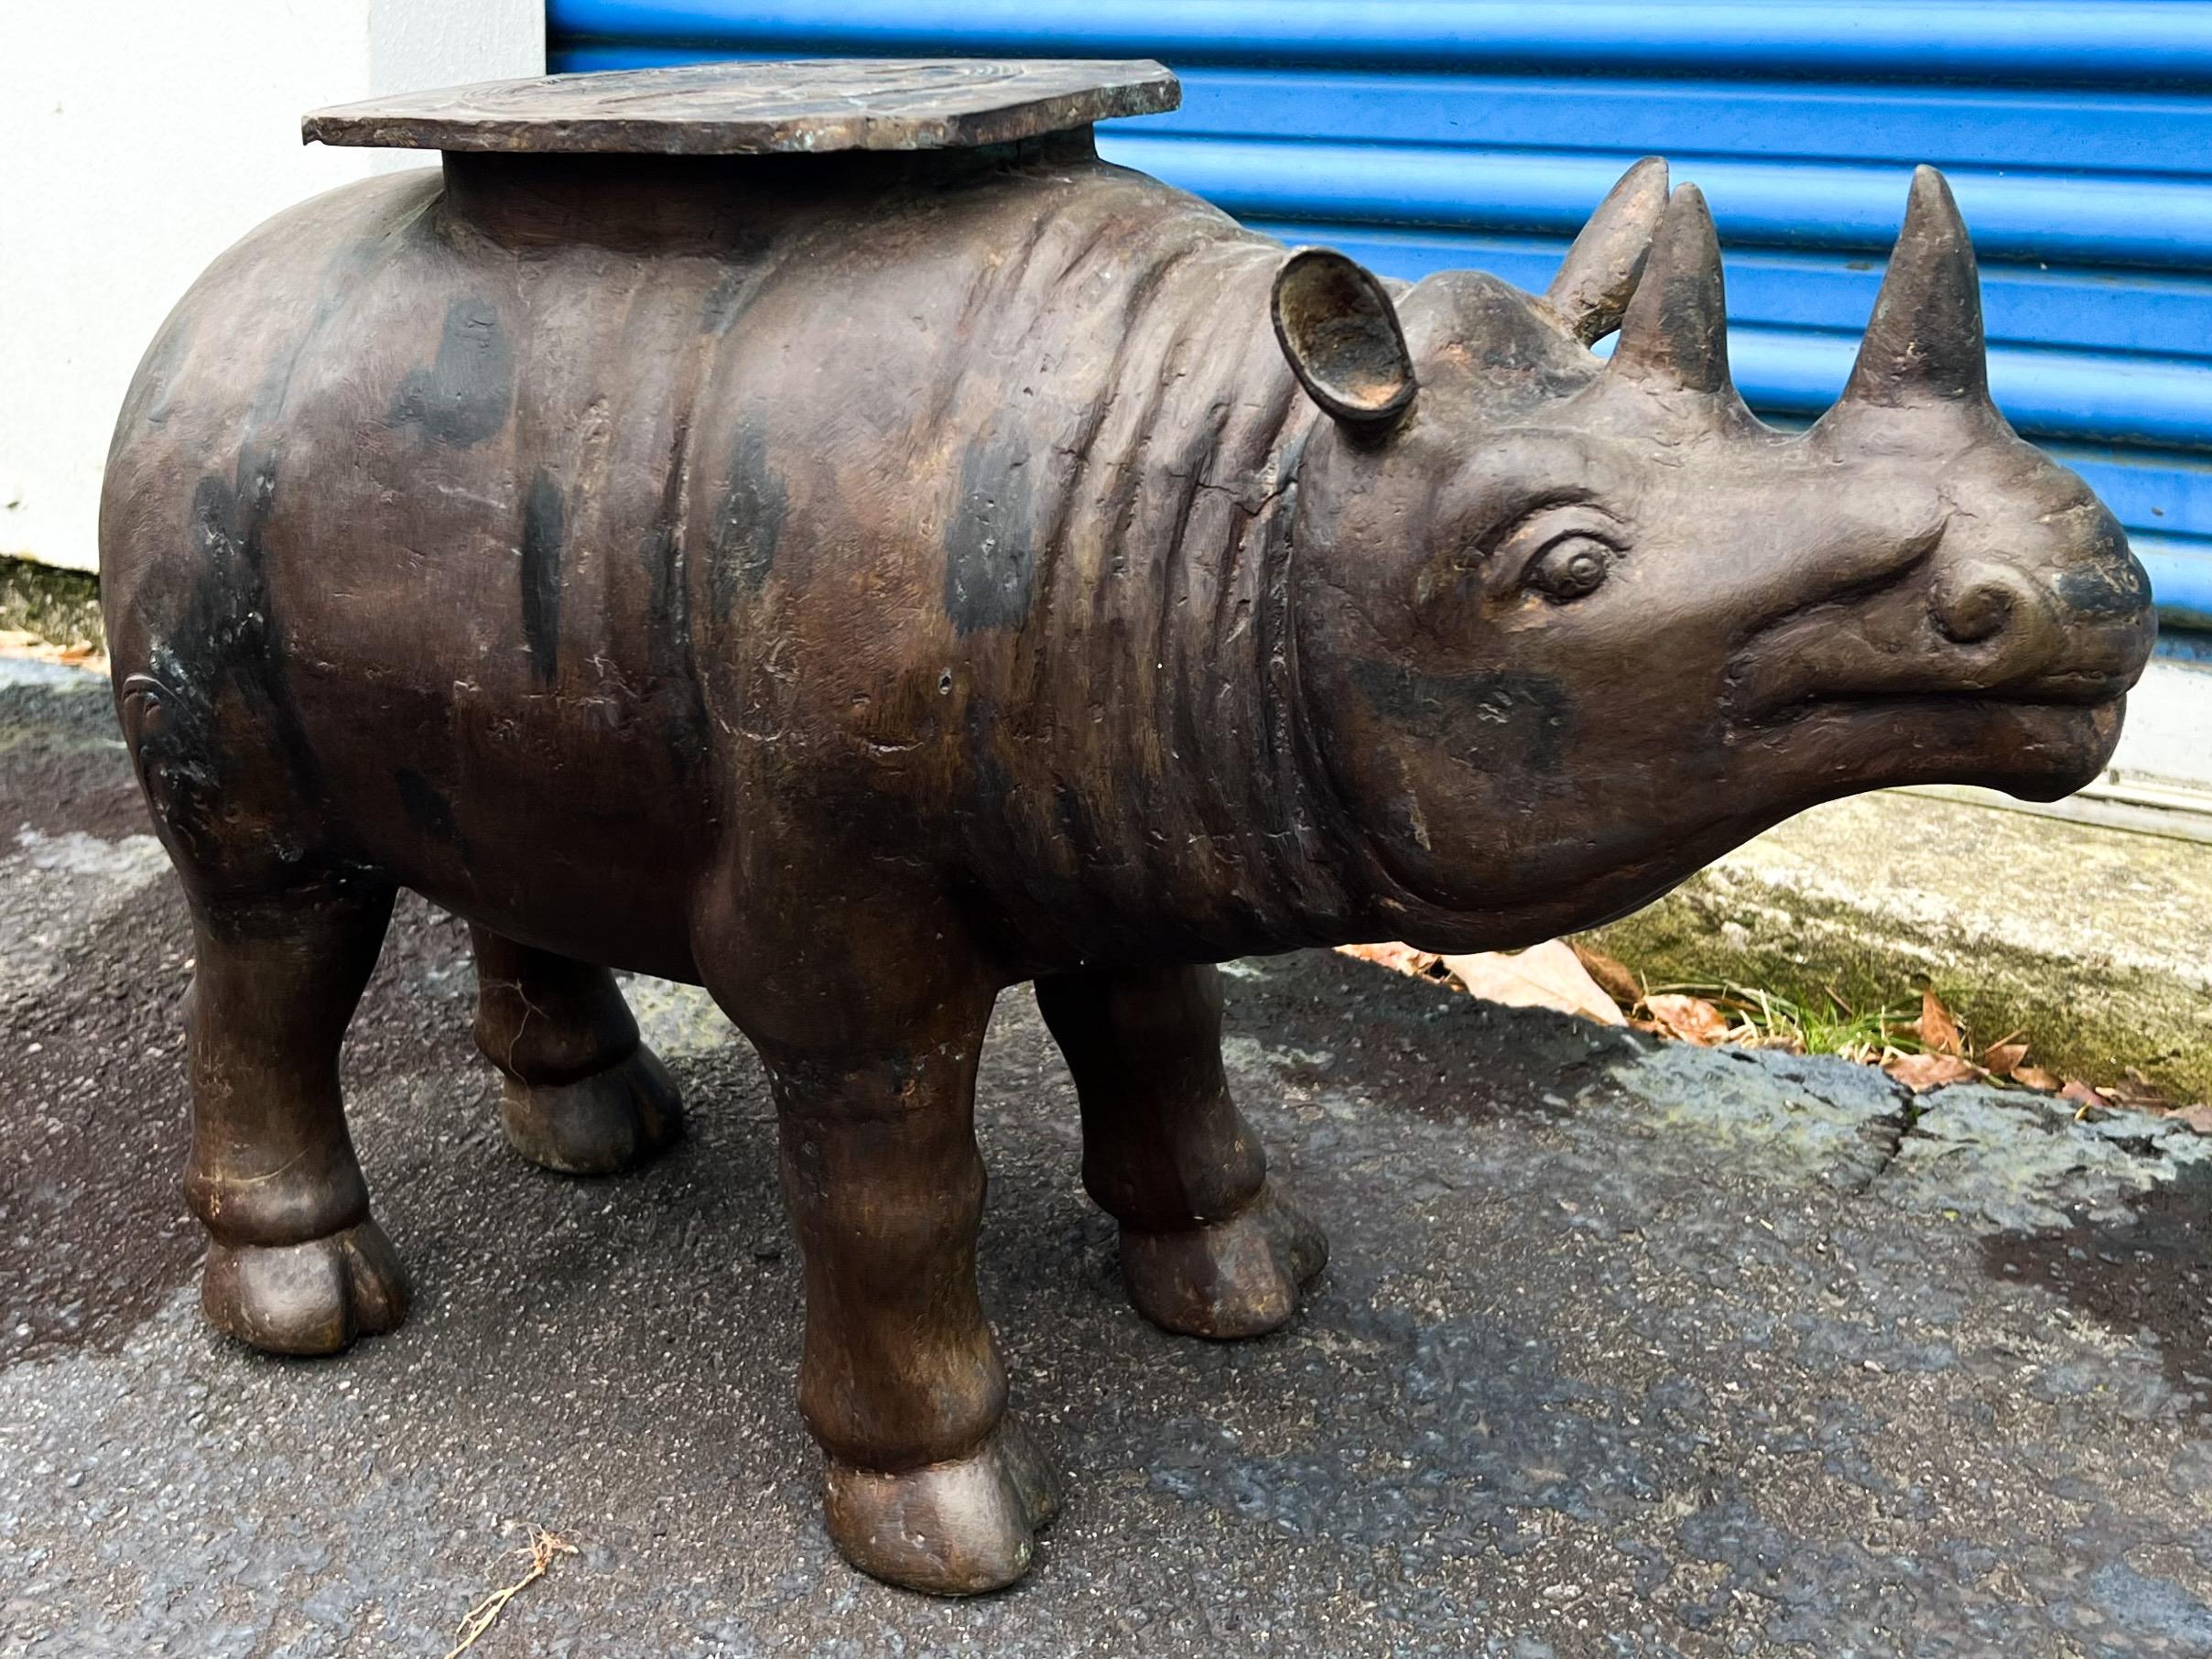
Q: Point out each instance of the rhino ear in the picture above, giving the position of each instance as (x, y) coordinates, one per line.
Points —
(1598, 274)
(1340, 332)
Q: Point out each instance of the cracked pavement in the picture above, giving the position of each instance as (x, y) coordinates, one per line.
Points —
(1623, 1350)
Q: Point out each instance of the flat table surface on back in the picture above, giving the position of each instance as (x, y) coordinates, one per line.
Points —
(759, 109)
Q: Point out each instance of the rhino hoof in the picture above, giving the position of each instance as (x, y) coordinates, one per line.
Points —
(310, 1298)
(960, 1528)
(1236, 1278)
(612, 1120)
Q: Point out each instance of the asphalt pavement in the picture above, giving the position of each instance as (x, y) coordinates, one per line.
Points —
(1623, 1350)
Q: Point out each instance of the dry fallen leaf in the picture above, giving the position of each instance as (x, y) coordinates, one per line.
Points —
(1401, 959)
(2138, 1092)
(1549, 975)
(1691, 1018)
(1612, 974)
(2082, 1095)
(2035, 1077)
(2198, 1118)
(2002, 1058)
(21, 641)
(1938, 1030)
(1922, 1072)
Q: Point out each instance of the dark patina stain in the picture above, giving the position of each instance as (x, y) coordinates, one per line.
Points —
(2108, 587)
(661, 549)
(223, 642)
(463, 397)
(720, 303)
(727, 298)
(427, 807)
(990, 787)
(543, 514)
(750, 520)
(1489, 720)
(989, 563)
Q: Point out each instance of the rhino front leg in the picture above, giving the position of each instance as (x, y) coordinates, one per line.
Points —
(930, 1483)
(1208, 1248)
(584, 1096)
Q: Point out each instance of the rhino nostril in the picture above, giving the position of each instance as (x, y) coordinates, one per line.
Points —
(1976, 609)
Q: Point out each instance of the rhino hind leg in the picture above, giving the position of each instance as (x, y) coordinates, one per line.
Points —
(582, 1095)
(1209, 1247)
(295, 1264)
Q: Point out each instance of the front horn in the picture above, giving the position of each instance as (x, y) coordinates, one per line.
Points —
(1923, 345)
(1676, 329)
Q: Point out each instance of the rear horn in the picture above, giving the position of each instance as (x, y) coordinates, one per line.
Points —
(1599, 272)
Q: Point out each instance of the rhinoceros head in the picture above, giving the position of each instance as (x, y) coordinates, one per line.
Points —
(1568, 628)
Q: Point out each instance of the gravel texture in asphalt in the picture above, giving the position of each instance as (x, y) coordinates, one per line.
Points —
(1623, 1350)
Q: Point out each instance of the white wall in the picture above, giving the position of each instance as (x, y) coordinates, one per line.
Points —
(138, 139)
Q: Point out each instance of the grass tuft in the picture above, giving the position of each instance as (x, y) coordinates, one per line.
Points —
(1767, 1019)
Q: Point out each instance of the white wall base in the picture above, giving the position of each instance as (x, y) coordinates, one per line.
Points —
(2161, 781)
(2167, 740)
(143, 137)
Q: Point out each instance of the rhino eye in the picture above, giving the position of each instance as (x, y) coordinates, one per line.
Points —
(1570, 567)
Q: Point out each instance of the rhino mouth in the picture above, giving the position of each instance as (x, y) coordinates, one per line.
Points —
(1902, 648)
(2072, 687)
(1890, 694)
(2074, 690)
(2039, 740)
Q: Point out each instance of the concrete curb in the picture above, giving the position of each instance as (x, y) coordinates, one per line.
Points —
(2096, 942)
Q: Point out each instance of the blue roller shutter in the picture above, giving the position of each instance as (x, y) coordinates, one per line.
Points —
(1418, 135)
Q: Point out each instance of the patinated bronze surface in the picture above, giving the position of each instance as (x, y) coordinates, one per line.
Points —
(862, 582)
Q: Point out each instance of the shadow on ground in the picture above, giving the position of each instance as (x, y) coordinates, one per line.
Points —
(1623, 1351)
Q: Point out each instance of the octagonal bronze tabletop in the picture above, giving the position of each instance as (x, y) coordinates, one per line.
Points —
(759, 109)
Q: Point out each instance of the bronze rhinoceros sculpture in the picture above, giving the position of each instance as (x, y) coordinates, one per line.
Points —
(862, 582)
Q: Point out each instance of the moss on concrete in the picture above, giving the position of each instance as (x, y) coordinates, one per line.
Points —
(2092, 942)
(62, 607)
